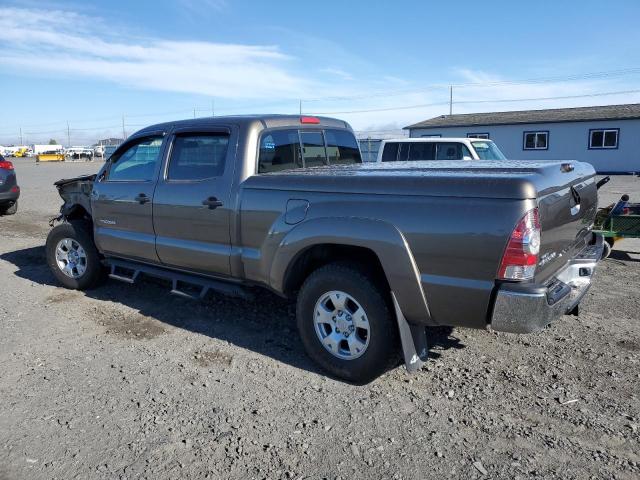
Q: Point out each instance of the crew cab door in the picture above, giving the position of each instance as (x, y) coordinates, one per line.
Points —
(121, 199)
(192, 203)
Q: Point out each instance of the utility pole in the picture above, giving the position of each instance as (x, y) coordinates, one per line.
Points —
(213, 108)
(301, 107)
(68, 135)
(21, 136)
(194, 113)
(450, 99)
(124, 134)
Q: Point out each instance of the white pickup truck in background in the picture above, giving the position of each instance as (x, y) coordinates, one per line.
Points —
(410, 149)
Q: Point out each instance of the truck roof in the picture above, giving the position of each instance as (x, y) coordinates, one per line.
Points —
(258, 120)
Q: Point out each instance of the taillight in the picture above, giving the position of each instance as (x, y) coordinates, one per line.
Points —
(6, 165)
(521, 255)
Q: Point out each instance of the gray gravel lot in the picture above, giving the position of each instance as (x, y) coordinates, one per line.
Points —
(129, 382)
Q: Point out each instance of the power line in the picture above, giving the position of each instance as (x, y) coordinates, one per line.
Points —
(501, 100)
(497, 83)
(62, 130)
(385, 93)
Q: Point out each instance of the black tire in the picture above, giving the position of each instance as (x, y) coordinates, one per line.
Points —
(607, 249)
(382, 352)
(10, 210)
(80, 232)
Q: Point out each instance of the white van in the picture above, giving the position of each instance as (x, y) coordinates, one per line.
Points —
(413, 149)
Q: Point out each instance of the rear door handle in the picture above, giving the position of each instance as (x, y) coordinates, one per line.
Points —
(212, 202)
(142, 198)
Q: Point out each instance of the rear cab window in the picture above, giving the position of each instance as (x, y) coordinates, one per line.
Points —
(342, 147)
(314, 152)
(290, 148)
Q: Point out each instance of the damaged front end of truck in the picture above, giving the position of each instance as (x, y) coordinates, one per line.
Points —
(76, 193)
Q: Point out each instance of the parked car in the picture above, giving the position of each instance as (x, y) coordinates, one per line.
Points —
(78, 153)
(9, 189)
(98, 151)
(414, 149)
(373, 254)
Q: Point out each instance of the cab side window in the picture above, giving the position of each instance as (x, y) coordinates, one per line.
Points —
(422, 151)
(198, 156)
(137, 162)
(452, 151)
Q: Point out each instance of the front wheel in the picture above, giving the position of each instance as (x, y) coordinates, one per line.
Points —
(73, 257)
(346, 324)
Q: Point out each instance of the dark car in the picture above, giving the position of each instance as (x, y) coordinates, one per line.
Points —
(9, 189)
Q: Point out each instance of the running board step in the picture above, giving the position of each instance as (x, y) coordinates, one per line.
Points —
(121, 274)
(184, 285)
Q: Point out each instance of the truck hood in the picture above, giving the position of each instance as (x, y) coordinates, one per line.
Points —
(480, 179)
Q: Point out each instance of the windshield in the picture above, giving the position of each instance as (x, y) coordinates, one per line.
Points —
(488, 151)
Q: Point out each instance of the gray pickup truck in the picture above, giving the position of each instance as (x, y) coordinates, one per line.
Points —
(374, 253)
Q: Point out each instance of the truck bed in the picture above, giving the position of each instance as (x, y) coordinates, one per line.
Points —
(469, 211)
(506, 179)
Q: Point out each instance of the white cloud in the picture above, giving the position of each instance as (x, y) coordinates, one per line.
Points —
(337, 72)
(64, 43)
(197, 6)
(59, 42)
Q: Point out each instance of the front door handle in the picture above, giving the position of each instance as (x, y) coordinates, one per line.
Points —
(212, 202)
(142, 198)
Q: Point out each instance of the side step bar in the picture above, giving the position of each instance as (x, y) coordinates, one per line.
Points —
(183, 285)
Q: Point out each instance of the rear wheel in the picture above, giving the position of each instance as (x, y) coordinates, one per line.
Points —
(9, 209)
(73, 257)
(608, 245)
(346, 324)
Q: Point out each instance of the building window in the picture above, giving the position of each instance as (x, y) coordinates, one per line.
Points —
(434, 135)
(536, 141)
(604, 138)
(484, 136)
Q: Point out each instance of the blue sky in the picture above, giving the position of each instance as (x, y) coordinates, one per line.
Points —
(89, 63)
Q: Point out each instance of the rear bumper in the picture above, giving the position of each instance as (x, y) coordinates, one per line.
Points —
(9, 195)
(521, 308)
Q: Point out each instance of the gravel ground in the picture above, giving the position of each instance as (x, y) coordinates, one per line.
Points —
(128, 382)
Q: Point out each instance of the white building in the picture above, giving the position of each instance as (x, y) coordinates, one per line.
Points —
(608, 137)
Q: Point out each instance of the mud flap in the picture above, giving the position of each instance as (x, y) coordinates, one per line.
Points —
(413, 339)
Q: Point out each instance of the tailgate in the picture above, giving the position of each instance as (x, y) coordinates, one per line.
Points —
(567, 213)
